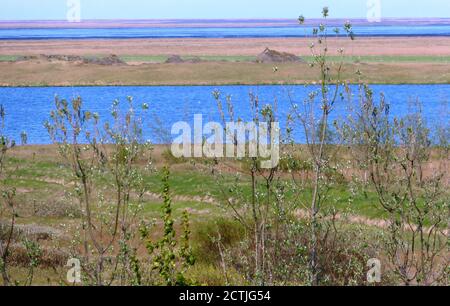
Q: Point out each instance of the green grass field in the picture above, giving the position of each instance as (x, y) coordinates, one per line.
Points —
(46, 202)
(44, 180)
(8, 58)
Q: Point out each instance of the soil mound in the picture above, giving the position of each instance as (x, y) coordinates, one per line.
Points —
(176, 59)
(106, 61)
(64, 58)
(273, 56)
(194, 60)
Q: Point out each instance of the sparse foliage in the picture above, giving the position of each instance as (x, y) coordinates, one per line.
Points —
(171, 257)
(101, 158)
(408, 172)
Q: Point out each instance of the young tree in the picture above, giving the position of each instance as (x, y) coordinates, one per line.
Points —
(317, 131)
(8, 233)
(8, 195)
(259, 211)
(101, 159)
(408, 171)
(171, 257)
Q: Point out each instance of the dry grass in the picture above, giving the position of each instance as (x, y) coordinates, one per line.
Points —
(37, 73)
(32, 73)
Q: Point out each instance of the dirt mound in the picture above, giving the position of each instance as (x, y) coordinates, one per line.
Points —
(273, 56)
(194, 60)
(51, 58)
(64, 58)
(176, 59)
(106, 61)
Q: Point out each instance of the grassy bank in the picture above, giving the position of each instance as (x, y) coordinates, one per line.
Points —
(41, 176)
(35, 73)
(45, 205)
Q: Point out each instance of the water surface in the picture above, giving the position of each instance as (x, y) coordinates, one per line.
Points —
(28, 108)
(212, 32)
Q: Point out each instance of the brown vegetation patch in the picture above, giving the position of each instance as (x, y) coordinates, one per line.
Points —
(51, 257)
(57, 208)
(29, 231)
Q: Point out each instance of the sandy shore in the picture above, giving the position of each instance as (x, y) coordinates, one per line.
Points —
(432, 46)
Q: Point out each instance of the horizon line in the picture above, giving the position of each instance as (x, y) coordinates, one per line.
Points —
(222, 19)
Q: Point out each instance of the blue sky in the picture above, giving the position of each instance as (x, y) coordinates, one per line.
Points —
(147, 9)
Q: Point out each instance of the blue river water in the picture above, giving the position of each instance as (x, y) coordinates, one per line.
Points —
(211, 32)
(28, 108)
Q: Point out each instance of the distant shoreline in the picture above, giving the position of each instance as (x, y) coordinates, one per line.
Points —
(220, 61)
(214, 29)
(212, 85)
(96, 38)
(210, 23)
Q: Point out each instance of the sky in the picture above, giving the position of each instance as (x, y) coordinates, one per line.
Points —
(216, 9)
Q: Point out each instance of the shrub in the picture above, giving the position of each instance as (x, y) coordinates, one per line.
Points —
(207, 235)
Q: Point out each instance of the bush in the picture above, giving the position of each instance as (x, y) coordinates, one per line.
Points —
(207, 235)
